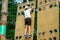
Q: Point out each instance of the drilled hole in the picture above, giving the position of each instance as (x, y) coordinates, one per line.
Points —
(18, 13)
(20, 7)
(55, 5)
(39, 9)
(39, 33)
(28, 5)
(54, 38)
(16, 37)
(45, 1)
(32, 10)
(55, 30)
(43, 33)
(50, 38)
(51, 6)
(44, 39)
(22, 13)
(32, 4)
(20, 37)
(23, 6)
(51, 31)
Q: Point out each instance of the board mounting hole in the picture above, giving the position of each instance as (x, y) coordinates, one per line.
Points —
(45, 1)
(54, 38)
(32, 4)
(20, 7)
(44, 39)
(50, 38)
(32, 10)
(23, 6)
(16, 37)
(51, 31)
(18, 13)
(28, 5)
(20, 37)
(51, 6)
(43, 33)
(39, 9)
(39, 33)
(55, 30)
(55, 5)
(22, 13)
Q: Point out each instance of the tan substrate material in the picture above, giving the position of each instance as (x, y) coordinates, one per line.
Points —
(20, 23)
(48, 19)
